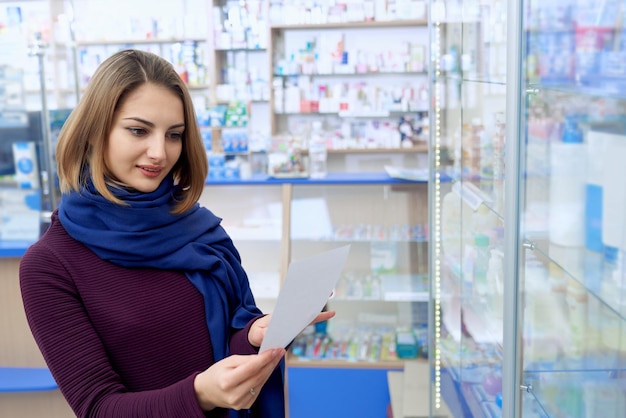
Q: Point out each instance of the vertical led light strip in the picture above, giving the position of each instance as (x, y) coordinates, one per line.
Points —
(436, 235)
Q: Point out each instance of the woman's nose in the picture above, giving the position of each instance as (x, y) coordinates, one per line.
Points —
(156, 148)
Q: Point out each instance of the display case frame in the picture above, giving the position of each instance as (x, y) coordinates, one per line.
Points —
(468, 214)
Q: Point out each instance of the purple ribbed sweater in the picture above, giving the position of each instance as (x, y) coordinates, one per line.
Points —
(120, 342)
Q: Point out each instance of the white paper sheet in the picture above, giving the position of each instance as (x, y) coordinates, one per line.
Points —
(308, 285)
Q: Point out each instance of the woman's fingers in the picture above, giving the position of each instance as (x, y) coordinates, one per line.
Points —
(236, 381)
(258, 380)
(245, 367)
(258, 329)
(252, 375)
(323, 316)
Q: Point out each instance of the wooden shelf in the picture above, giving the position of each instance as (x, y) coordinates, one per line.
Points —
(104, 42)
(240, 49)
(349, 25)
(382, 114)
(420, 148)
(293, 361)
(356, 75)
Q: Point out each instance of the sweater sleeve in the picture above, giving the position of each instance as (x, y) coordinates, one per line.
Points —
(75, 354)
(239, 343)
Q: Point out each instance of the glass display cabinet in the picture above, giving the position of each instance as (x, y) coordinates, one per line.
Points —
(528, 285)
(570, 122)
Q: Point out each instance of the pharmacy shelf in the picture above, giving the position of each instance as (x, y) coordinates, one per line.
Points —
(418, 148)
(145, 41)
(294, 361)
(354, 114)
(357, 75)
(280, 39)
(348, 25)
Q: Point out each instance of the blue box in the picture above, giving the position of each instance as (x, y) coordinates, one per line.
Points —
(216, 160)
(406, 344)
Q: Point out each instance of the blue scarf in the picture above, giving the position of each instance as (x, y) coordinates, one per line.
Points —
(146, 234)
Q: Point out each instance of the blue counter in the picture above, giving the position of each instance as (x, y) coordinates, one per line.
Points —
(26, 379)
(331, 178)
(9, 249)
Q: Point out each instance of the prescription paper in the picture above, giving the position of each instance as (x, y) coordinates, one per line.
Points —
(308, 285)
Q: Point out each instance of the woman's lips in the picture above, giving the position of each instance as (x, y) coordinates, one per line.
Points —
(150, 171)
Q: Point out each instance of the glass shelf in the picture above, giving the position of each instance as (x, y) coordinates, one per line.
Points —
(474, 78)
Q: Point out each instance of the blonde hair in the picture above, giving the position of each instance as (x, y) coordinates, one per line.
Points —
(82, 140)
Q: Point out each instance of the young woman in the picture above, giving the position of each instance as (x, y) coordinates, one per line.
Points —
(135, 294)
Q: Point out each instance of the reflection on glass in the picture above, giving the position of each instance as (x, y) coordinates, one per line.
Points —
(574, 203)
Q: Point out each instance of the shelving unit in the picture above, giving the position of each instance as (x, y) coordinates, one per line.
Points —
(78, 35)
(318, 70)
(27, 30)
(187, 54)
(280, 220)
(235, 60)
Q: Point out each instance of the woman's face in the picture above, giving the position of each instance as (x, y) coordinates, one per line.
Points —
(146, 139)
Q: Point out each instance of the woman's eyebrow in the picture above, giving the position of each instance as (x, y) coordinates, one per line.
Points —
(150, 124)
(145, 122)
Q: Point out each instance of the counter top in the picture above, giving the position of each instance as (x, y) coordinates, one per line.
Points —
(26, 379)
(331, 178)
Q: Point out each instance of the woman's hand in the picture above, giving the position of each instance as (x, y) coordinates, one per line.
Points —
(235, 381)
(259, 327)
(323, 316)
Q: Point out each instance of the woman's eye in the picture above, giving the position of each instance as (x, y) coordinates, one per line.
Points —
(177, 136)
(137, 131)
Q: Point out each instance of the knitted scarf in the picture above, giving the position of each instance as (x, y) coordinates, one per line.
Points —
(146, 234)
